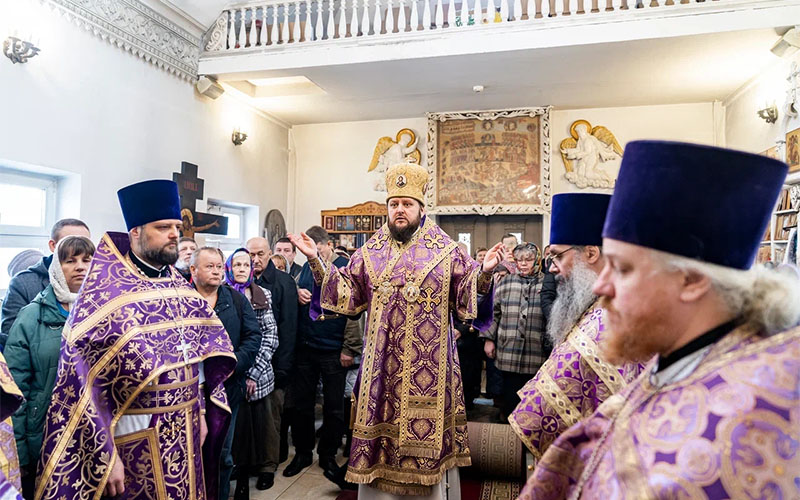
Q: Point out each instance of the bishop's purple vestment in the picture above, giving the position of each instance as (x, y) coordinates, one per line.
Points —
(570, 385)
(727, 430)
(410, 421)
(131, 349)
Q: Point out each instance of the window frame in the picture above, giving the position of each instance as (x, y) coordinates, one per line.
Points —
(50, 186)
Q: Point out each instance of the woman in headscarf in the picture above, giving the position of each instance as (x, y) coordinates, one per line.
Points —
(250, 440)
(34, 347)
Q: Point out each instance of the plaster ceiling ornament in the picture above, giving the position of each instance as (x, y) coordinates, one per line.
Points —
(138, 29)
(388, 152)
(586, 152)
(491, 173)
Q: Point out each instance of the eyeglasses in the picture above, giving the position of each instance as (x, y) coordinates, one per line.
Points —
(557, 257)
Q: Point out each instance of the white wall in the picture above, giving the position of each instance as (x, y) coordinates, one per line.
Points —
(331, 165)
(332, 159)
(743, 128)
(87, 107)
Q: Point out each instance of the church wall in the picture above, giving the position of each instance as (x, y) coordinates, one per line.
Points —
(332, 159)
(743, 128)
(89, 108)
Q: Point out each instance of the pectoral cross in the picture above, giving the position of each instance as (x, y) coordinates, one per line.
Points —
(184, 347)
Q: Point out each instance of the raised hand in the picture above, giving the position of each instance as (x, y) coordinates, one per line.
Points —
(305, 244)
(494, 256)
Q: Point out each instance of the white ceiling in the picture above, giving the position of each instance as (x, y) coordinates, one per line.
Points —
(700, 68)
(204, 12)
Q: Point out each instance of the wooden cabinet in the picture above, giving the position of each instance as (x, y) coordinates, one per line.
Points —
(351, 227)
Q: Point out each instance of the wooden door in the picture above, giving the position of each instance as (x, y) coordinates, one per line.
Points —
(479, 231)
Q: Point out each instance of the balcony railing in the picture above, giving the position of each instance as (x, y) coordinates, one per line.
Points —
(273, 23)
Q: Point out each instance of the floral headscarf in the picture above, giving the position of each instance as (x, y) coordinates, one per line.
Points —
(229, 279)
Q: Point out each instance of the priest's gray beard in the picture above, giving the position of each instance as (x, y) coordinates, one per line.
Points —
(574, 298)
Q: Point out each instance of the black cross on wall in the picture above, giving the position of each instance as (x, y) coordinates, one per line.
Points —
(190, 187)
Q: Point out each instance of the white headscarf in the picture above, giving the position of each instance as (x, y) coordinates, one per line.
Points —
(57, 278)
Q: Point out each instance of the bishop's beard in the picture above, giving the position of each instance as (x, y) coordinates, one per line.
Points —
(404, 234)
(573, 299)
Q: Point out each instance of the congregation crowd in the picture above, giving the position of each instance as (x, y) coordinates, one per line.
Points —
(277, 335)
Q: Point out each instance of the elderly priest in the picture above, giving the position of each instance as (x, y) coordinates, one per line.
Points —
(577, 377)
(140, 381)
(716, 413)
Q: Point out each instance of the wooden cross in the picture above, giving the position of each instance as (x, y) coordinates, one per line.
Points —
(190, 188)
(428, 300)
(184, 347)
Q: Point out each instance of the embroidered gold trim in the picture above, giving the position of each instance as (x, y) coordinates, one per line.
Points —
(590, 353)
(175, 385)
(90, 322)
(484, 281)
(83, 401)
(161, 409)
(405, 475)
(155, 456)
(318, 269)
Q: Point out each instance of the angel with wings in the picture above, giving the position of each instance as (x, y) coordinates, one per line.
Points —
(390, 152)
(585, 152)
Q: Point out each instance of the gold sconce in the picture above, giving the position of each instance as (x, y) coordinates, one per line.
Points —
(238, 137)
(769, 114)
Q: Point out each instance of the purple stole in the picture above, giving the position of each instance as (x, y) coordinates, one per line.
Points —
(728, 430)
(10, 399)
(570, 385)
(131, 346)
(410, 420)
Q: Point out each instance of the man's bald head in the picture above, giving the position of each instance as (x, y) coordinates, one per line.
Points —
(258, 248)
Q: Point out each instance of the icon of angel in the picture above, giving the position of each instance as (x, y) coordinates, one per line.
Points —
(390, 152)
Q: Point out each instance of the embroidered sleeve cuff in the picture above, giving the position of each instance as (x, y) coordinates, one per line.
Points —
(484, 282)
(317, 269)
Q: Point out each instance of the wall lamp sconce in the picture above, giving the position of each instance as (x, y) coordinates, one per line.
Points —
(19, 51)
(238, 137)
(769, 114)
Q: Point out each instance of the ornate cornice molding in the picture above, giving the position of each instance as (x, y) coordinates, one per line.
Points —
(138, 29)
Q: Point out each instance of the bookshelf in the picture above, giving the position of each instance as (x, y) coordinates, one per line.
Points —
(773, 245)
(351, 227)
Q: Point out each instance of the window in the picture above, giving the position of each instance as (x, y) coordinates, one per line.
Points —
(466, 238)
(27, 212)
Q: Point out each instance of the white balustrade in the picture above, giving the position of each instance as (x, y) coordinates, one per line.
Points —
(272, 23)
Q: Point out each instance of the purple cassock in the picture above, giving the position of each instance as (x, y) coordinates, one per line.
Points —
(410, 420)
(727, 430)
(570, 385)
(131, 387)
(10, 399)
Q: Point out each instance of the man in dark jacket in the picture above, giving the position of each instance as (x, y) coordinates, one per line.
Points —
(239, 320)
(25, 286)
(549, 295)
(319, 353)
(284, 308)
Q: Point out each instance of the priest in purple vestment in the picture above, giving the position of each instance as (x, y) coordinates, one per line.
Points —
(10, 400)
(716, 413)
(409, 423)
(138, 409)
(576, 377)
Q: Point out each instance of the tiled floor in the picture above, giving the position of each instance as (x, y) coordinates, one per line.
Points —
(309, 484)
(312, 485)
